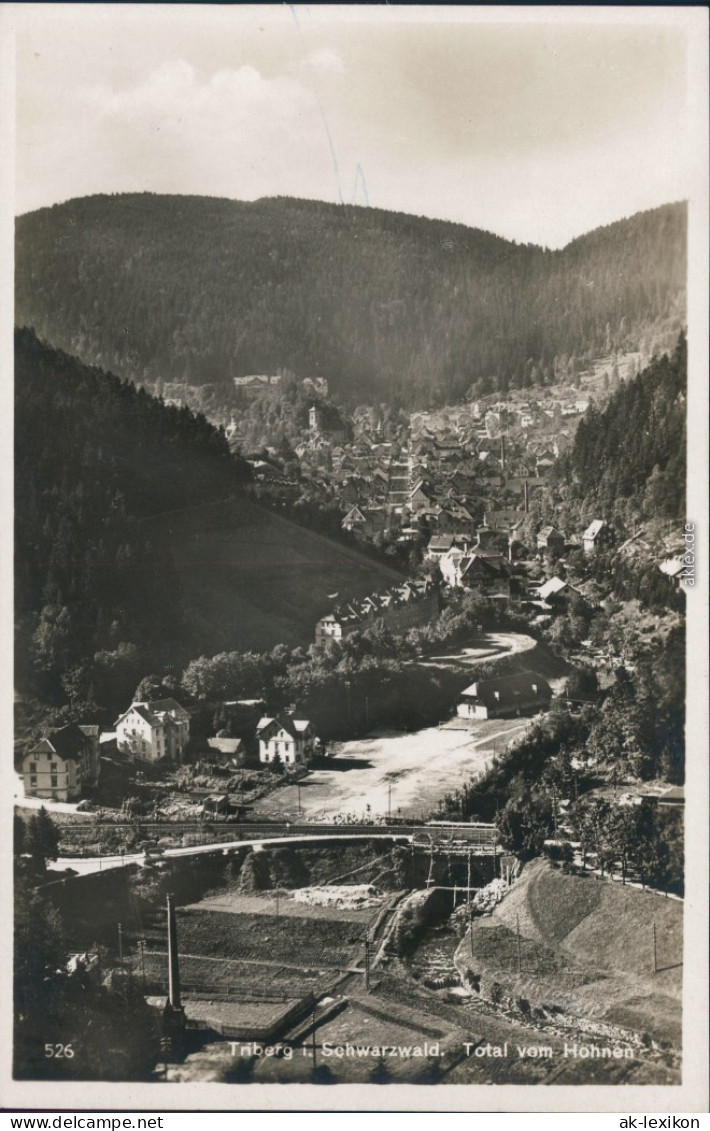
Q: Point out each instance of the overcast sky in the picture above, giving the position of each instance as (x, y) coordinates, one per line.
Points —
(538, 131)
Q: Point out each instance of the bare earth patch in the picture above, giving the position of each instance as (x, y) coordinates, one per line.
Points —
(402, 772)
(289, 905)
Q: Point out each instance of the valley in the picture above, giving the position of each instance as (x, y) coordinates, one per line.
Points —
(350, 640)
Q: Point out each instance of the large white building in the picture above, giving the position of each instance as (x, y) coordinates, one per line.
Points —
(151, 731)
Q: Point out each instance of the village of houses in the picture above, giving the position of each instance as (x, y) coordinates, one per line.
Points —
(459, 483)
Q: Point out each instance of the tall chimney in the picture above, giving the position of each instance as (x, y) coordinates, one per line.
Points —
(173, 1038)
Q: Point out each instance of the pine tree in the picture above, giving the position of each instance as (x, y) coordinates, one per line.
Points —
(42, 839)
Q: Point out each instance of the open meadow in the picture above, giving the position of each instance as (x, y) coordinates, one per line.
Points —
(252, 579)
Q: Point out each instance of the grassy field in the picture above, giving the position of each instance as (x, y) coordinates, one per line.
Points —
(252, 579)
(586, 946)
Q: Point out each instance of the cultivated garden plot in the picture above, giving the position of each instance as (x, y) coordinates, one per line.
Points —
(212, 933)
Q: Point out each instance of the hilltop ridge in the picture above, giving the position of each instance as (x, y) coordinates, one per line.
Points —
(385, 306)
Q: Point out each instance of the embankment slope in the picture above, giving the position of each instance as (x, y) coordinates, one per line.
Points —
(586, 946)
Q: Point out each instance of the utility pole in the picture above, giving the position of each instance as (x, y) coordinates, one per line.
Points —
(655, 955)
(367, 962)
(389, 801)
(470, 925)
(430, 877)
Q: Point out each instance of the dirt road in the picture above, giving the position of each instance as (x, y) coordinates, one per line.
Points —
(489, 646)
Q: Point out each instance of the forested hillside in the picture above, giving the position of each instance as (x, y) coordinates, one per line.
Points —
(628, 463)
(384, 305)
(95, 456)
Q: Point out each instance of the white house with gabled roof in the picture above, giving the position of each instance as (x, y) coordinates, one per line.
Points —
(155, 730)
(596, 535)
(287, 738)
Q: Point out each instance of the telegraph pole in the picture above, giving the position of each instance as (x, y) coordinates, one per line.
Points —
(470, 925)
(367, 962)
(655, 954)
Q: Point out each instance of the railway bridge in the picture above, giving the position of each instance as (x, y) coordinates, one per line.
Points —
(453, 839)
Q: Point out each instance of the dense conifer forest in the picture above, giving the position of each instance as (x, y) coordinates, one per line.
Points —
(627, 465)
(384, 305)
(136, 540)
(629, 461)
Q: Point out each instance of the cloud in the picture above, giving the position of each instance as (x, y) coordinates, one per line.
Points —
(236, 132)
(537, 132)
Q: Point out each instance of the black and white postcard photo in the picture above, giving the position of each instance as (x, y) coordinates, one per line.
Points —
(355, 377)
